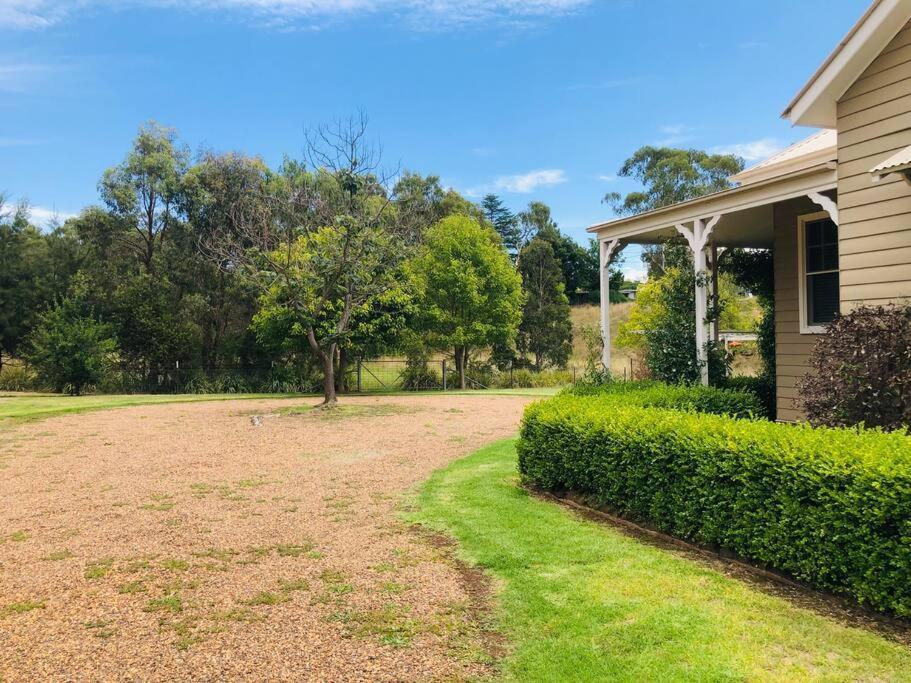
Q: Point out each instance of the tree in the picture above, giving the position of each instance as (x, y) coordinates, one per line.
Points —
(533, 221)
(504, 221)
(144, 190)
(662, 322)
(69, 348)
(546, 330)
(669, 176)
(323, 244)
(23, 260)
(469, 294)
(421, 201)
(152, 330)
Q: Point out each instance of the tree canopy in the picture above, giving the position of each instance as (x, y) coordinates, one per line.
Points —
(469, 294)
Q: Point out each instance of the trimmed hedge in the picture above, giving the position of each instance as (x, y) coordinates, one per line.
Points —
(762, 387)
(696, 398)
(831, 507)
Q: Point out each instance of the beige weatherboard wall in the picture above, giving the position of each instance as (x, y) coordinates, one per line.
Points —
(863, 91)
(856, 173)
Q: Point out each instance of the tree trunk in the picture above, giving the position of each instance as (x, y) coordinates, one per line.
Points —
(329, 396)
(341, 376)
(461, 355)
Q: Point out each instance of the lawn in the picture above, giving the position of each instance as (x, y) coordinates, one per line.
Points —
(22, 407)
(581, 601)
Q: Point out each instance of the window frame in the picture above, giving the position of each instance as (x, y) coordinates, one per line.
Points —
(805, 326)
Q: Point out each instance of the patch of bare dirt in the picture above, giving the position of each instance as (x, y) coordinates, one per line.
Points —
(238, 540)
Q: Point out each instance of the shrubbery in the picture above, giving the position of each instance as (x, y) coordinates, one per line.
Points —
(69, 349)
(762, 387)
(648, 393)
(832, 507)
(861, 370)
(17, 378)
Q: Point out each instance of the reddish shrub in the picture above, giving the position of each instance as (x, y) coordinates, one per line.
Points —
(861, 370)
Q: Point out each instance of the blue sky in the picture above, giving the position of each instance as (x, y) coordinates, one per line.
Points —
(531, 99)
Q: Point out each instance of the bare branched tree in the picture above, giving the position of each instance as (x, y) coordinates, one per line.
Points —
(318, 240)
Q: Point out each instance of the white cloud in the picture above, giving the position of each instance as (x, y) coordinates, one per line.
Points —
(752, 151)
(44, 217)
(607, 178)
(635, 273)
(419, 14)
(529, 182)
(32, 14)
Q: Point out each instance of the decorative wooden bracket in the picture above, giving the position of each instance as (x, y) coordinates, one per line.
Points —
(828, 205)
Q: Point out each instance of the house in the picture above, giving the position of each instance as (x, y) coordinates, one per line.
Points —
(629, 293)
(835, 208)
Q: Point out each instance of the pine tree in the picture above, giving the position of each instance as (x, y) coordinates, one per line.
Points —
(546, 330)
(503, 220)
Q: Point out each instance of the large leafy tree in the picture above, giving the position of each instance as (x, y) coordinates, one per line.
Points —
(469, 294)
(421, 201)
(224, 303)
(144, 191)
(36, 268)
(23, 260)
(578, 264)
(152, 331)
(546, 331)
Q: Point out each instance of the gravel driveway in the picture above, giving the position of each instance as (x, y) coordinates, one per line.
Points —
(241, 539)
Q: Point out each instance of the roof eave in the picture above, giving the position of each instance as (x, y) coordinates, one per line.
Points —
(814, 104)
(809, 170)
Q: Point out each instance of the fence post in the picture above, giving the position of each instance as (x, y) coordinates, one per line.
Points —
(444, 375)
(359, 375)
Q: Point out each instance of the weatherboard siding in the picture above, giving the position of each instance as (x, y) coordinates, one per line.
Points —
(874, 121)
(792, 349)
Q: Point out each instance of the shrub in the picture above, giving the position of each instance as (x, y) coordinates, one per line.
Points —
(861, 370)
(646, 393)
(17, 378)
(832, 507)
(418, 376)
(70, 350)
(762, 387)
(528, 379)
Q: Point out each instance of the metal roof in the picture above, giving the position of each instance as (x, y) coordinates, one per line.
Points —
(821, 146)
(899, 161)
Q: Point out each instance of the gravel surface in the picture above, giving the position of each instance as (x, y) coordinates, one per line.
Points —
(237, 540)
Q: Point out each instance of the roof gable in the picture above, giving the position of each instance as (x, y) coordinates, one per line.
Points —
(815, 104)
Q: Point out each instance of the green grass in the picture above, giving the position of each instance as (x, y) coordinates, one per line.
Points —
(580, 601)
(15, 408)
(22, 407)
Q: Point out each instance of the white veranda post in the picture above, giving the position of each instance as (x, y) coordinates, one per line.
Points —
(698, 239)
(607, 250)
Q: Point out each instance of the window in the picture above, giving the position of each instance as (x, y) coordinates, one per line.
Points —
(818, 254)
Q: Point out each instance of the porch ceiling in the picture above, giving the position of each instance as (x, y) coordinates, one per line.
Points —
(752, 228)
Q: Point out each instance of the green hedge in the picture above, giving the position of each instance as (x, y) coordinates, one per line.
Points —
(831, 507)
(695, 398)
(762, 387)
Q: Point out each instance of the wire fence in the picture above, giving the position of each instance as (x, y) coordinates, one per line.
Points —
(363, 376)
